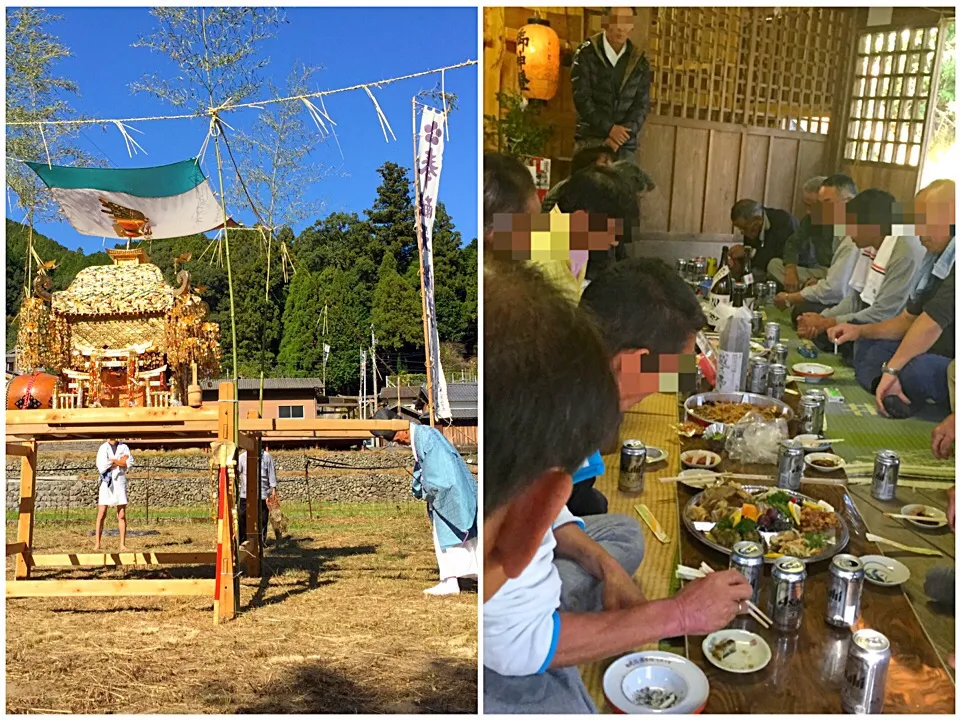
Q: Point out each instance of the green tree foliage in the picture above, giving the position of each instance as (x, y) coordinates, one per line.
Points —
(396, 313)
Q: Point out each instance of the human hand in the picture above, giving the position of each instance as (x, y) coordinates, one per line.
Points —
(952, 502)
(710, 603)
(844, 333)
(781, 300)
(619, 134)
(120, 461)
(611, 144)
(808, 326)
(941, 442)
(889, 385)
(791, 278)
(619, 589)
(811, 282)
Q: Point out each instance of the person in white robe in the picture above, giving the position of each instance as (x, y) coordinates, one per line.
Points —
(113, 461)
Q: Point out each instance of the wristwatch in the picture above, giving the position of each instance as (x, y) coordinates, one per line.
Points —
(887, 370)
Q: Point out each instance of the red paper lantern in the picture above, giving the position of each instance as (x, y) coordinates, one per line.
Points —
(538, 60)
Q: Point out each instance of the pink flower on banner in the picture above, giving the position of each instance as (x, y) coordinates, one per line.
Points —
(432, 133)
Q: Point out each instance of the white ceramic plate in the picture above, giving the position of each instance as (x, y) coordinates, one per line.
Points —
(813, 443)
(698, 479)
(811, 457)
(884, 571)
(937, 517)
(665, 672)
(751, 652)
(687, 459)
(655, 455)
(812, 372)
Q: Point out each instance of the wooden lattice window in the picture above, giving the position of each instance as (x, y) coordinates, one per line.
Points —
(764, 67)
(891, 88)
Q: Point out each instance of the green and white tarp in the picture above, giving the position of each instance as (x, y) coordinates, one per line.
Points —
(158, 202)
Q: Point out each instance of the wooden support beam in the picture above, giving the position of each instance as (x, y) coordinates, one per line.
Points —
(205, 428)
(321, 424)
(15, 548)
(110, 416)
(112, 559)
(18, 450)
(227, 595)
(108, 588)
(28, 496)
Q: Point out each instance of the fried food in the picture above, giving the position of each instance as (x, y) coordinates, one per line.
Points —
(728, 412)
(817, 520)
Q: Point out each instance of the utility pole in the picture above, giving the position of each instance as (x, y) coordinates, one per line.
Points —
(363, 384)
(326, 348)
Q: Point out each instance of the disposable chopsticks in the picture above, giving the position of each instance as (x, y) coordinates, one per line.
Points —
(755, 612)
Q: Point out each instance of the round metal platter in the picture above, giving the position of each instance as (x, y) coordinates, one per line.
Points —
(843, 535)
(695, 402)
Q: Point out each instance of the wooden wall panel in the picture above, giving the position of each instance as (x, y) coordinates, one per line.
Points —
(753, 167)
(690, 169)
(901, 182)
(782, 174)
(655, 154)
(721, 189)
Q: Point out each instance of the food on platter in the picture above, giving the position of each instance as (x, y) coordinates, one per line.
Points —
(729, 413)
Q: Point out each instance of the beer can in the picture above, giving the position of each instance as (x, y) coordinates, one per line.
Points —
(633, 462)
(778, 354)
(786, 596)
(777, 381)
(886, 471)
(756, 323)
(682, 268)
(811, 415)
(700, 266)
(789, 465)
(771, 335)
(771, 290)
(844, 591)
(757, 375)
(747, 559)
(706, 283)
(865, 675)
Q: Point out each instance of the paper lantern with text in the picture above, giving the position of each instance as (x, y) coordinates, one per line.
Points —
(538, 60)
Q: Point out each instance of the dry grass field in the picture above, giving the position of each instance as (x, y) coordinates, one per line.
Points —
(338, 624)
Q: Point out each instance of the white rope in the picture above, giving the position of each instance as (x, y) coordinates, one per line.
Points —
(45, 148)
(131, 143)
(316, 117)
(443, 94)
(384, 123)
(255, 104)
(333, 131)
(206, 141)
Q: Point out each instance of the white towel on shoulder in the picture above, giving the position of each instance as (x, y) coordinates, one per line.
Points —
(871, 269)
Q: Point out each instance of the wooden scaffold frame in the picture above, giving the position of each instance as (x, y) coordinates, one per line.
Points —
(218, 425)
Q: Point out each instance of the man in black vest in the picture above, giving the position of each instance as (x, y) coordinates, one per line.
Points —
(611, 87)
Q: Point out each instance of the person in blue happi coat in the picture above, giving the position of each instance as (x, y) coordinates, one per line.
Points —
(442, 478)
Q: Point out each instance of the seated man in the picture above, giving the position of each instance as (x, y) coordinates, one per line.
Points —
(944, 436)
(818, 295)
(882, 277)
(904, 359)
(588, 157)
(643, 309)
(765, 230)
(558, 590)
(807, 253)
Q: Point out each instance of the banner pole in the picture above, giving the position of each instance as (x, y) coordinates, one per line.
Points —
(423, 290)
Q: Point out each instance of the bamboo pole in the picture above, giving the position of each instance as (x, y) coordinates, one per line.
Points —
(423, 291)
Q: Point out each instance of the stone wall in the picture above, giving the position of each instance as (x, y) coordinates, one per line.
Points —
(179, 479)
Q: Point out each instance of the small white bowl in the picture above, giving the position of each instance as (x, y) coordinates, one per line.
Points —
(935, 518)
(707, 460)
(629, 675)
(884, 571)
(813, 443)
(812, 372)
(810, 462)
(751, 654)
(655, 455)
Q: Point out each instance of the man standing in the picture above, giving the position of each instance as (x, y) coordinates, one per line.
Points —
(113, 459)
(765, 230)
(611, 87)
(268, 486)
(443, 480)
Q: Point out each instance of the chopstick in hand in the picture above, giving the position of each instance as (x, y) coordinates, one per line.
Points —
(755, 612)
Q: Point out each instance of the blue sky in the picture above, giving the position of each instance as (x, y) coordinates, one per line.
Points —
(351, 45)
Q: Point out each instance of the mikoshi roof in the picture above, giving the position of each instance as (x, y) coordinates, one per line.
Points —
(115, 290)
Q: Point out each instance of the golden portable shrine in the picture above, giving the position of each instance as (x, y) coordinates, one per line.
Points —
(118, 336)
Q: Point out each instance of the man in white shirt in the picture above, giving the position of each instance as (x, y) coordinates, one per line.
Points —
(554, 596)
(113, 460)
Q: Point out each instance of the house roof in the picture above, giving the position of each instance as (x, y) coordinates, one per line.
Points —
(269, 383)
(462, 392)
(407, 392)
(115, 290)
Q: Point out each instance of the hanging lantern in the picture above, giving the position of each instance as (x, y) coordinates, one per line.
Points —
(538, 60)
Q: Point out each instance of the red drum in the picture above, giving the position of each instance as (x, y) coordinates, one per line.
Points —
(31, 392)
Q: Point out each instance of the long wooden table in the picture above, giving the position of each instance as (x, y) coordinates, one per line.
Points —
(805, 674)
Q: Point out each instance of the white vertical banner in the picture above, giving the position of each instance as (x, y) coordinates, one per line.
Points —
(429, 163)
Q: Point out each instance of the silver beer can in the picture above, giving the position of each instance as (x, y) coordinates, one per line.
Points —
(811, 415)
(771, 334)
(786, 594)
(771, 290)
(789, 465)
(633, 463)
(844, 591)
(886, 471)
(757, 375)
(778, 354)
(756, 323)
(865, 675)
(747, 559)
(682, 268)
(777, 381)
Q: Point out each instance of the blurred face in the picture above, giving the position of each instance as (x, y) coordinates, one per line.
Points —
(832, 206)
(935, 213)
(640, 374)
(750, 228)
(618, 25)
(402, 437)
(810, 201)
(594, 232)
(113, 442)
(864, 236)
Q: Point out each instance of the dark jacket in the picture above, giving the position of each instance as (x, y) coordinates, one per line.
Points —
(601, 101)
(810, 246)
(782, 226)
